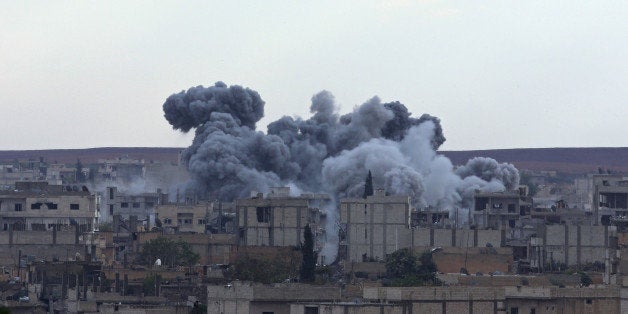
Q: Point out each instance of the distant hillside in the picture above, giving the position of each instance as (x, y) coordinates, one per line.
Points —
(91, 155)
(569, 160)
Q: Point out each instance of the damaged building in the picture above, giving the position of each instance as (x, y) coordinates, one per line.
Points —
(279, 219)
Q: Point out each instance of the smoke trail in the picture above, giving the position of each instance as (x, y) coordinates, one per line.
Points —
(326, 153)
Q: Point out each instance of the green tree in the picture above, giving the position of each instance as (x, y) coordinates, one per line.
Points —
(171, 253)
(585, 280)
(267, 269)
(149, 285)
(402, 268)
(308, 266)
(368, 185)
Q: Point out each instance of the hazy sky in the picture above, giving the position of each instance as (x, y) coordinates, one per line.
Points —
(499, 74)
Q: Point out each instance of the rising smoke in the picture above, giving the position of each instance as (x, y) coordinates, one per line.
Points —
(325, 153)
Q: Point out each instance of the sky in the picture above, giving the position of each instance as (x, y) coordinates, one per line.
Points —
(499, 74)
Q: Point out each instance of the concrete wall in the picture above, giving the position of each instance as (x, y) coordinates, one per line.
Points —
(43, 245)
(574, 245)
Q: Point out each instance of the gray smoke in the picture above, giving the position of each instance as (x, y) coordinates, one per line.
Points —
(326, 153)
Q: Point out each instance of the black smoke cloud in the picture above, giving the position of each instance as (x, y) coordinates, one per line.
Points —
(325, 153)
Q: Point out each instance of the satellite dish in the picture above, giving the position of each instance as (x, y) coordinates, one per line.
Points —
(158, 262)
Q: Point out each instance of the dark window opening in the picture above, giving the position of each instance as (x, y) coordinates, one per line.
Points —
(514, 310)
(74, 206)
(263, 214)
(110, 193)
(311, 310)
(51, 205)
(124, 205)
(36, 205)
(18, 207)
(136, 205)
(511, 223)
(38, 227)
(512, 208)
(481, 203)
(110, 209)
(589, 301)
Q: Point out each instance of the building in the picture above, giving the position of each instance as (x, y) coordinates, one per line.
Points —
(120, 170)
(40, 206)
(610, 197)
(303, 299)
(371, 227)
(279, 219)
(142, 205)
(246, 297)
(499, 210)
(176, 218)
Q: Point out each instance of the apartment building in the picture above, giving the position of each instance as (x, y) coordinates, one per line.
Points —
(41, 206)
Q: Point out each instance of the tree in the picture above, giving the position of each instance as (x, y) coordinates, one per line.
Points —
(308, 266)
(80, 176)
(265, 268)
(170, 252)
(368, 185)
(403, 270)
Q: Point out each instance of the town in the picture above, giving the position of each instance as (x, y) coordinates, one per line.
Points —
(114, 236)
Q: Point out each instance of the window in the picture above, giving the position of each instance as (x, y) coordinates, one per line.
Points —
(263, 214)
(51, 205)
(589, 301)
(38, 227)
(136, 205)
(150, 204)
(36, 205)
(167, 221)
(74, 206)
(110, 209)
(124, 205)
(18, 207)
(201, 221)
(187, 221)
(511, 208)
(110, 193)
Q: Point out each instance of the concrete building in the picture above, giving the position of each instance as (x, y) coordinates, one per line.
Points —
(177, 218)
(245, 297)
(40, 206)
(374, 226)
(610, 197)
(499, 210)
(120, 170)
(302, 299)
(141, 205)
(279, 219)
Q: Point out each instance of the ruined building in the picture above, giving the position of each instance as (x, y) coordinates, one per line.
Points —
(279, 219)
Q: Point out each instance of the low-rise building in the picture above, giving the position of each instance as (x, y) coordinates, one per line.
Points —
(374, 226)
(279, 219)
(40, 206)
(176, 218)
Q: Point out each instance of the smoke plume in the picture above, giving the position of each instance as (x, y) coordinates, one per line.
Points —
(326, 153)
